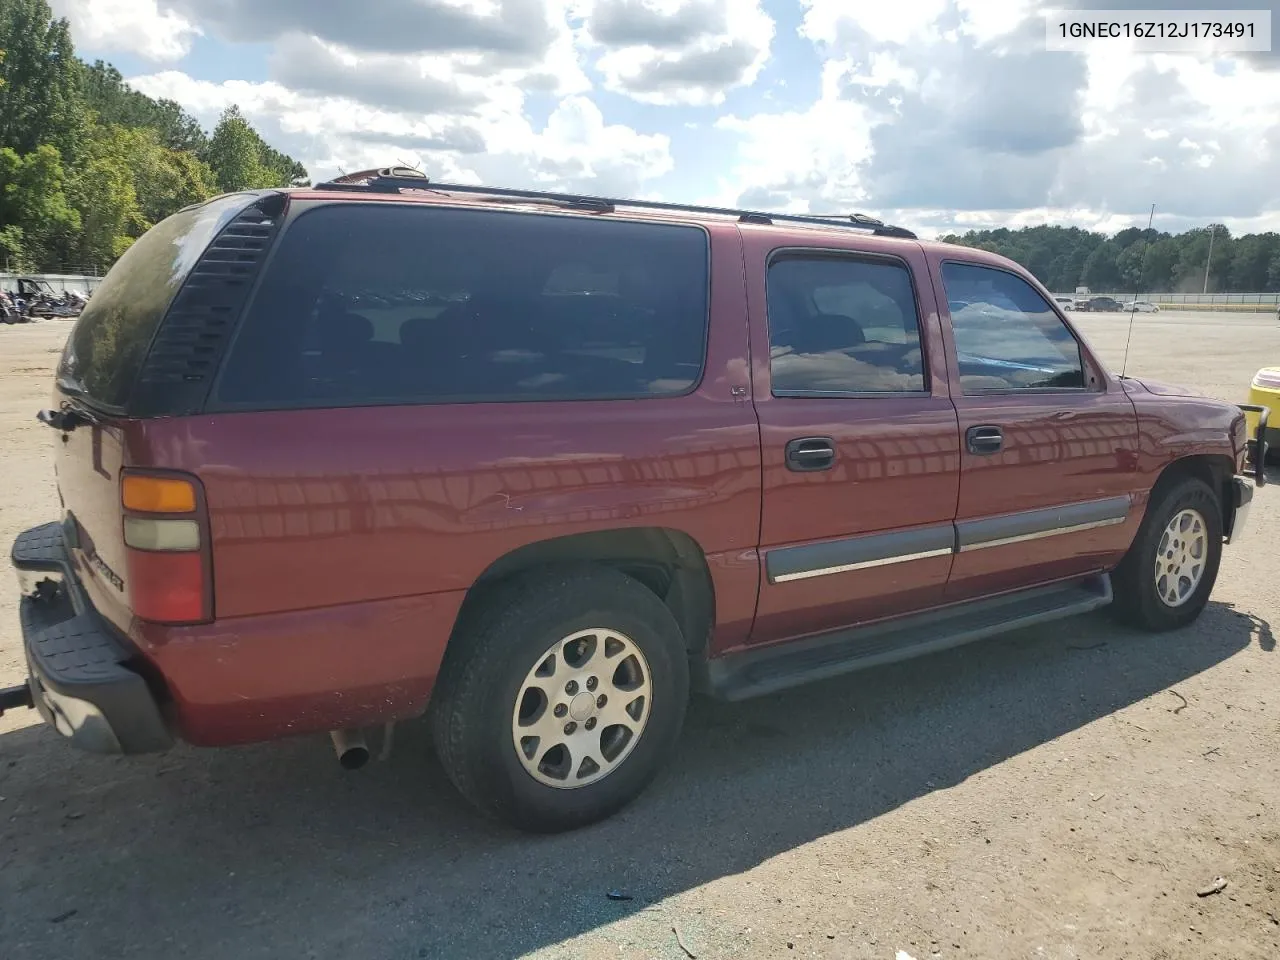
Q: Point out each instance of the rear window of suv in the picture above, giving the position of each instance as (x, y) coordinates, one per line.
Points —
(109, 342)
(374, 303)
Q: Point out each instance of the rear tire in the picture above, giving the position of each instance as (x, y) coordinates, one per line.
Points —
(561, 697)
(1166, 578)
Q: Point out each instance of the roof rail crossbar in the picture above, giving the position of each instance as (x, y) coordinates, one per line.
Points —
(394, 178)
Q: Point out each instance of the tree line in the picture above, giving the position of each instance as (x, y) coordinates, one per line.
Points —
(88, 164)
(1137, 260)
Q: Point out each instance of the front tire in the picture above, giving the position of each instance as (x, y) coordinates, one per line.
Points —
(1166, 578)
(561, 697)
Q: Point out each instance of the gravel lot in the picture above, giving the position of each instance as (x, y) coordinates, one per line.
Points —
(1060, 793)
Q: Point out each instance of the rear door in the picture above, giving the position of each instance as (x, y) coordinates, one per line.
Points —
(859, 442)
(1048, 440)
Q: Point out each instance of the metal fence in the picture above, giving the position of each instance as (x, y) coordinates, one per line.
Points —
(1217, 299)
(81, 283)
(1263, 301)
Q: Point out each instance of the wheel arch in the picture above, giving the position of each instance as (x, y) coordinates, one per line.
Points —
(669, 562)
(1214, 469)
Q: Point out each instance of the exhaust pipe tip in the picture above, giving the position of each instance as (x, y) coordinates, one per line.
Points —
(351, 748)
(353, 758)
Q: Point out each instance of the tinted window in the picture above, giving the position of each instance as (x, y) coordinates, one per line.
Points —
(401, 304)
(109, 341)
(1007, 336)
(839, 325)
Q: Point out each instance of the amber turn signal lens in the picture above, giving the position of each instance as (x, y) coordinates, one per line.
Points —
(157, 494)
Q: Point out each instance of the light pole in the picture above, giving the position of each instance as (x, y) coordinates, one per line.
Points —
(1213, 228)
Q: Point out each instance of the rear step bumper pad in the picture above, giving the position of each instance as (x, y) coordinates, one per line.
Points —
(78, 678)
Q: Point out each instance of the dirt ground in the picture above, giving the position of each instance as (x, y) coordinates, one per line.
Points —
(1057, 794)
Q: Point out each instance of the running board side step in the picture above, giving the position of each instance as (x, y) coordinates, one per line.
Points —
(753, 673)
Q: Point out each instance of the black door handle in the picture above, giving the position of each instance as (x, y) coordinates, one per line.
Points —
(984, 440)
(810, 453)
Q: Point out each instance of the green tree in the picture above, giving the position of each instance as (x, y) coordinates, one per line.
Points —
(1131, 235)
(1273, 274)
(1250, 261)
(287, 171)
(164, 180)
(1141, 260)
(41, 79)
(87, 163)
(1077, 258)
(1193, 254)
(1101, 271)
(35, 214)
(182, 179)
(13, 248)
(104, 191)
(1224, 250)
(1158, 265)
(1131, 264)
(242, 160)
(235, 154)
(114, 102)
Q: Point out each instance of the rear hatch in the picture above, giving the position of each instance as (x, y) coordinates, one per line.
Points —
(119, 367)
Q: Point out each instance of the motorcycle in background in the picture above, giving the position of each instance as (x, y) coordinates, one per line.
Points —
(41, 301)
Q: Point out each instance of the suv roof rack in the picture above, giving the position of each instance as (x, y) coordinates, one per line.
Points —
(393, 179)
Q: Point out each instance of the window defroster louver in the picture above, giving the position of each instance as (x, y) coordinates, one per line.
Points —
(185, 353)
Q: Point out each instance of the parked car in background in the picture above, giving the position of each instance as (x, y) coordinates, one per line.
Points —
(1067, 303)
(539, 465)
(1141, 306)
(1104, 305)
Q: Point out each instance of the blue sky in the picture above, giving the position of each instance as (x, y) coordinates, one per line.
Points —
(941, 114)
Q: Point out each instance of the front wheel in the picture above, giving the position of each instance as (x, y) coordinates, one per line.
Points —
(561, 698)
(1166, 577)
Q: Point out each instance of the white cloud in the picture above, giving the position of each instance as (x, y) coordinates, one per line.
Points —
(934, 113)
(799, 161)
(953, 109)
(575, 150)
(427, 85)
(678, 51)
(1226, 129)
(514, 31)
(838, 22)
(987, 20)
(832, 22)
(884, 69)
(133, 26)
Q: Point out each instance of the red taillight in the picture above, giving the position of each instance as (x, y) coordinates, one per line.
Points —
(167, 547)
(166, 587)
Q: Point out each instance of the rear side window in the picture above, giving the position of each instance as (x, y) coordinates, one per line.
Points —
(840, 325)
(109, 342)
(1007, 336)
(366, 304)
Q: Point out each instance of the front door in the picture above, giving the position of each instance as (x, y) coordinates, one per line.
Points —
(860, 450)
(1048, 440)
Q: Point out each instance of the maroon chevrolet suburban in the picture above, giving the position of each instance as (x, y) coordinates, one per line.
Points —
(539, 465)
